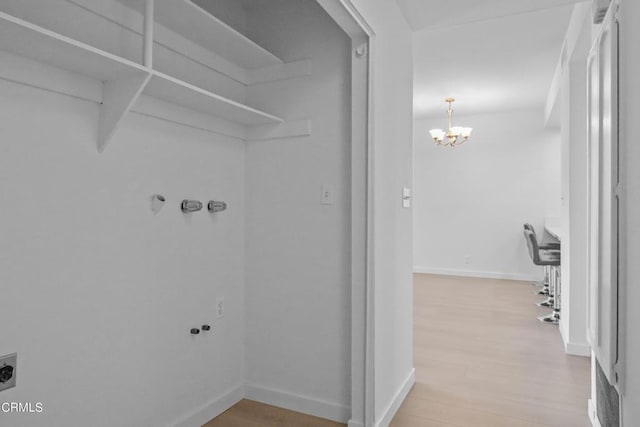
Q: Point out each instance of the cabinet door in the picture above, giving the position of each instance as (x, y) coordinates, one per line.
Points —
(603, 198)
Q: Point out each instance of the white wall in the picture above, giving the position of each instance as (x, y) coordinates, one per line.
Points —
(630, 135)
(392, 76)
(573, 98)
(98, 294)
(97, 261)
(298, 251)
(472, 200)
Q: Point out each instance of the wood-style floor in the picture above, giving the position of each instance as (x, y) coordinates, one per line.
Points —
(248, 413)
(483, 360)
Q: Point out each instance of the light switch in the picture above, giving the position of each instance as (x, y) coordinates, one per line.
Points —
(406, 197)
(326, 198)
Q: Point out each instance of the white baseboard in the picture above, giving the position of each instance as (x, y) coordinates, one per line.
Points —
(593, 414)
(399, 397)
(212, 409)
(574, 349)
(480, 274)
(307, 405)
(354, 424)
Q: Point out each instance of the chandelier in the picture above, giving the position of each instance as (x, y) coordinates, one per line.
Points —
(455, 135)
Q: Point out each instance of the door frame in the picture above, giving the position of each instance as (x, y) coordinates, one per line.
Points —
(362, 36)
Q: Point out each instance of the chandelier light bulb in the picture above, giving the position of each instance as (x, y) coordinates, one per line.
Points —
(437, 134)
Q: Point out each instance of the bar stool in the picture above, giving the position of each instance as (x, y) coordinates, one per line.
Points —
(549, 259)
(545, 244)
(546, 289)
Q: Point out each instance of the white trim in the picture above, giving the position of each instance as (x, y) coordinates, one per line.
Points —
(281, 399)
(593, 414)
(399, 397)
(294, 402)
(370, 319)
(347, 16)
(572, 348)
(212, 409)
(577, 349)
(481, 274)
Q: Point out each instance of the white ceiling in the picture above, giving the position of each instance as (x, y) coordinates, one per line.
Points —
(486, 63)
(423, 14)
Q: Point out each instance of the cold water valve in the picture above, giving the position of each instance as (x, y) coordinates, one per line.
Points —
(191, 206)
(215, 206)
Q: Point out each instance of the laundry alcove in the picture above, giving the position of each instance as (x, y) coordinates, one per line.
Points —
(243, 101)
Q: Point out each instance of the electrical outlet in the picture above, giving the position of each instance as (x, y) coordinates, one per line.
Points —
(467, 259)
(8, 370)
(219, 307)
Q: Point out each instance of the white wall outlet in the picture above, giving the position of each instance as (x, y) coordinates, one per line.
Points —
(467, 259)
(219, 307)
(326, 197)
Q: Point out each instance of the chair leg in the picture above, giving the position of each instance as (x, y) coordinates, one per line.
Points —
(553, 317)
(557, 292)
(546, 303)
(544, 290)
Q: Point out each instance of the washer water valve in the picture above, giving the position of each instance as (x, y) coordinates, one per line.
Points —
(215, 206)
(191, 206)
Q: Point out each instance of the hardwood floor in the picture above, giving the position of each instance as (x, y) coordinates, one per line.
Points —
(482, 359)
(248, 413)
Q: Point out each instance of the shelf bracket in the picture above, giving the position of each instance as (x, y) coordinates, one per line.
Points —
(148, 33)
(118, 96)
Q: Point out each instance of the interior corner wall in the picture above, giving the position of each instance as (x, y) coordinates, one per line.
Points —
(630, 154)
(471, 200)
(392, 282)
(98, 293)
(298, 299)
